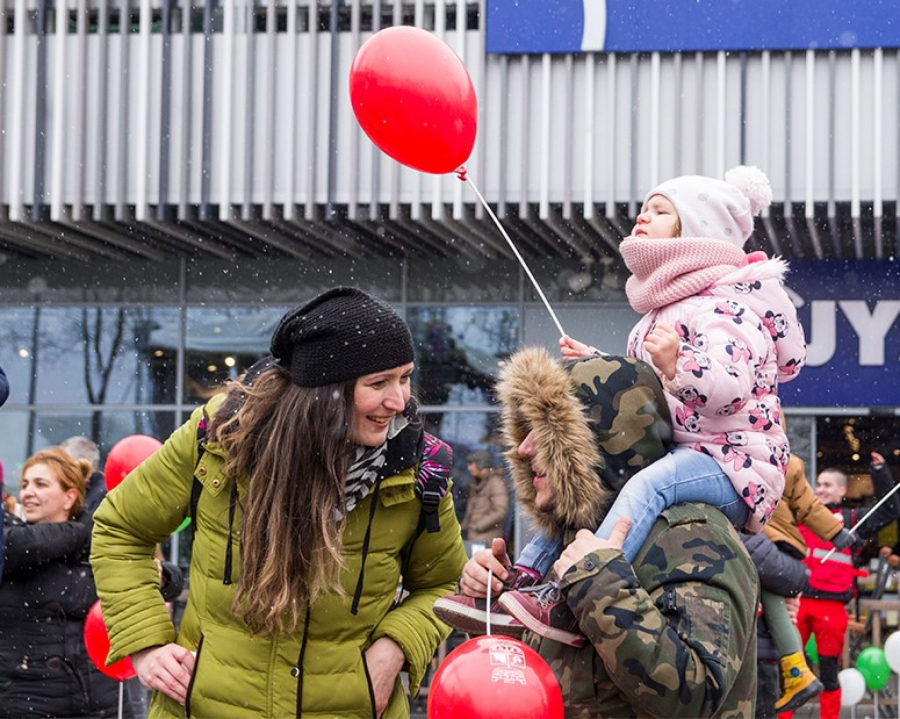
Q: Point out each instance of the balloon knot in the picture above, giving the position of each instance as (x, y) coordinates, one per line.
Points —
(461, 173)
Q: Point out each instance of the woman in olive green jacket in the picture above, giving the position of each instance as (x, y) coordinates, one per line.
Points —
(307, 484)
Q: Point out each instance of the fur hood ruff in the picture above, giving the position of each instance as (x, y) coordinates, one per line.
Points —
(537, 392)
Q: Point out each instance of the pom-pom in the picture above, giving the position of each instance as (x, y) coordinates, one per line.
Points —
(753, 184)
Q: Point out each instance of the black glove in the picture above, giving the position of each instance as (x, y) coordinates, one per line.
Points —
(172, 581)
(843, 539)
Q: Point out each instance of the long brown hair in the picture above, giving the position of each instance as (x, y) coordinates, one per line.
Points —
(293, 443)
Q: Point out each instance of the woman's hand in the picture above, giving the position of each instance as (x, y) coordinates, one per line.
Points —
(384, 660)
(662, 346)
(167, 669)
(586, 542)
(573, 349)
(474, 579)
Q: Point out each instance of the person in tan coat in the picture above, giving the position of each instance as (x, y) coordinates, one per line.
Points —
(488, 500)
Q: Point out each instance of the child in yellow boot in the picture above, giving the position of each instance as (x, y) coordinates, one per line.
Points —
(798, 505)
(798, 683)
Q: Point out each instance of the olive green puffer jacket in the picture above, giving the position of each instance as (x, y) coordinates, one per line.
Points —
(239, 675)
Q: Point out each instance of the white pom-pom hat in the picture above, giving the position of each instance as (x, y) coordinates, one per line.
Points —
(717, 209)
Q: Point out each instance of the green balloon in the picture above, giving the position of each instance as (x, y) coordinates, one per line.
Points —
(812, 651)
(872, 664)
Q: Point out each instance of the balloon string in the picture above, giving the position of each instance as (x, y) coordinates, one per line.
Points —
(487, 606)
(465, 178)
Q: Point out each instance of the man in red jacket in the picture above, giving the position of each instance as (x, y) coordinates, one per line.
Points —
(832, 582)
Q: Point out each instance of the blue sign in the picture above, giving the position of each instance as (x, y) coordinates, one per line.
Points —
(850, 311)
(560, 26)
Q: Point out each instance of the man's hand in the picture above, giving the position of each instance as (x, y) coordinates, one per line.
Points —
(587, 542)
(877, 459)
(573, 349)
(662, 346)
(384, 660)
(167, 669)
(473, 582)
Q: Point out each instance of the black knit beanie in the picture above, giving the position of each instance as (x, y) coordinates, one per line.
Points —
(340, 335)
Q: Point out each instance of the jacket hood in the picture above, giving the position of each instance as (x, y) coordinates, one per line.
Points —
(597, 422)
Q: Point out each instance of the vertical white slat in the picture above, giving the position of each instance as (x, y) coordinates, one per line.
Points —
(611, 144)
(78, 111)
(142, 133)
(121, 111)
(526, 115)
(226, 107)
(877, 130)
(809, 175)
(99, 116)
(721, 112)
(396, 167)
(312, 102)
(290, 140)
(544, 141)
(251, 112)
(765, 110)
(355, 175)
(678, 116)
(375, 154)
(184, 125)
(440, 30)
(458, 213)
(699, 130)
(17, 140)
(480, 153)
(271, 68)
(590, 120)
(655, 120)
(60, 115)
(568, 131)
(854, 133)
(416, 208)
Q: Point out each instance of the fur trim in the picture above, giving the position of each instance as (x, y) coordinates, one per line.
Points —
(775, 268)
(537, 393)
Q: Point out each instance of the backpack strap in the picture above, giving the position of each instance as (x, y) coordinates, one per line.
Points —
(432, 480)
(197, 487)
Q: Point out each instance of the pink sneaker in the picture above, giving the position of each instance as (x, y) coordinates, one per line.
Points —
(467, 614)
(543, 610)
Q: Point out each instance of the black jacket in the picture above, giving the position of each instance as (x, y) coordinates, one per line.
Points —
(46, 591)
(779, 573)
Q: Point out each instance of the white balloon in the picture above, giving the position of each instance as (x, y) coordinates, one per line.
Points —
(853, 687)
(892, 651)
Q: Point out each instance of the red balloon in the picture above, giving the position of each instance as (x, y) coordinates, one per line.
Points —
(96, 640)
(127, 454)
(414, 98)
(494, 676)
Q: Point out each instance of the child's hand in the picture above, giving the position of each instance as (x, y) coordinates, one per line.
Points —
(573, 349)
(662, 346)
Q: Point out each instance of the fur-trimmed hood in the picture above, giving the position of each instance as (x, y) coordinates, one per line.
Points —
(597, 422)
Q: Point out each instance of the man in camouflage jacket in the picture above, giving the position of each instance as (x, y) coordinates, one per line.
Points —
(674, 633)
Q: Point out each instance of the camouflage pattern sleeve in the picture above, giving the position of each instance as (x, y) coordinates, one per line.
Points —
(676, 632)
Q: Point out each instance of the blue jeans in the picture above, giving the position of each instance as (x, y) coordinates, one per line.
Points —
(683, 475)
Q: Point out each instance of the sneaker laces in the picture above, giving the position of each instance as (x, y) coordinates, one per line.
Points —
(545, 594)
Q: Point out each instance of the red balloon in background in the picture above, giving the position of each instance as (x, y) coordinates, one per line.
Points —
(127, 454)
(96, 640)
(414, 98)
(494, 676)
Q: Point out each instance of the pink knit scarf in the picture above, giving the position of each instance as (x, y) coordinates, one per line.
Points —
(664, 271)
